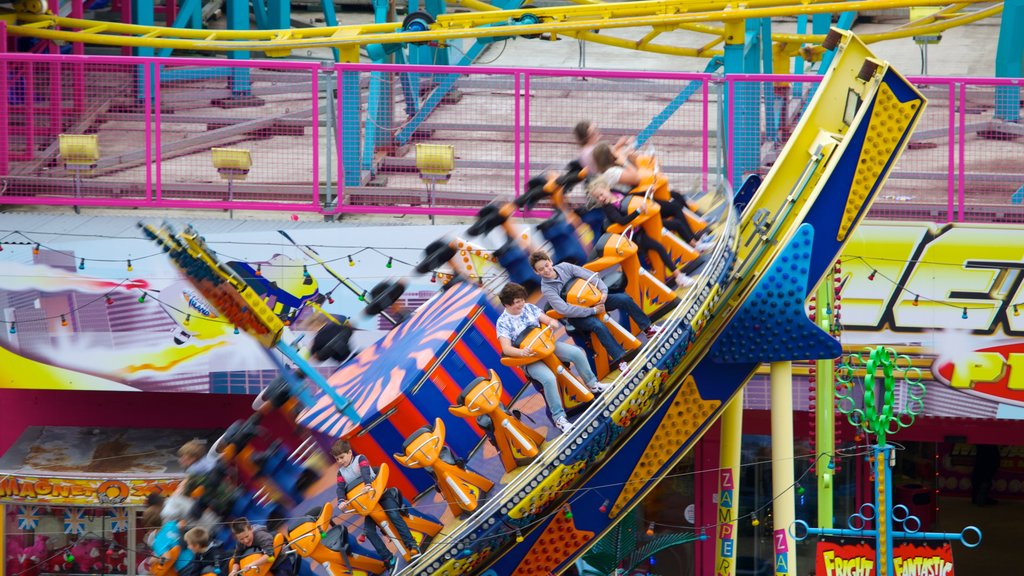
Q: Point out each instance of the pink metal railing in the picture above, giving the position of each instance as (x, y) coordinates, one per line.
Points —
(157, 118)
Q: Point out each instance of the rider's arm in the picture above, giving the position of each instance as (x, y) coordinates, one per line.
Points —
(341, 492)
(548, 321)
(616, 216)
(561, 306)
(625, 149)
(629, 176)
(508, 349)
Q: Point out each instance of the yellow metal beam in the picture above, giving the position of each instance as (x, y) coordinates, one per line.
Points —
(632, 45)
(475, 5)
(576, 21)
(654, 33)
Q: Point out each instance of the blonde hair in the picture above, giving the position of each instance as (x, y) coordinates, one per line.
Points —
(194, 448)
(197, 537)
(597, 184)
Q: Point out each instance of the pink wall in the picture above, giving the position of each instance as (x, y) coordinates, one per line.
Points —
(23, 408)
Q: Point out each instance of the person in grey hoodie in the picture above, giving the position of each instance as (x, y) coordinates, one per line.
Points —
(555, 276)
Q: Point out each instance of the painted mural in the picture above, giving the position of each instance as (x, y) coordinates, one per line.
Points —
(114, 314)
(111, 314)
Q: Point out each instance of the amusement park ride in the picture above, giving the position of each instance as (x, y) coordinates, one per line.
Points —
(441, 369)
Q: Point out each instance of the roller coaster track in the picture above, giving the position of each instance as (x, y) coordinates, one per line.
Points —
(580, 21)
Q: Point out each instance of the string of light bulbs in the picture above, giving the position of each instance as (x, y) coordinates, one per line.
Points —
(918, 297)
(348, 258)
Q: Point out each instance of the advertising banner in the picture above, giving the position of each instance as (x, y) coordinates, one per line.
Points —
(82, 491)
(853, 557)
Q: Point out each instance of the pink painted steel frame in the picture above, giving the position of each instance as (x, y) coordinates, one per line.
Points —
(521, 131)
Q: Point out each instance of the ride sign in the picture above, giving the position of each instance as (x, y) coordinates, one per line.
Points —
(856, 557)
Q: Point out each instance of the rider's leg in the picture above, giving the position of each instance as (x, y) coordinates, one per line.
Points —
(592, 324)
(632, 309)
(370, 531)
(569, 353)
(541, 373)
(392, 505)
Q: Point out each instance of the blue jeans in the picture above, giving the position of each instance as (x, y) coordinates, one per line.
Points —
(540, 372)
(593, 324)
(391, 504)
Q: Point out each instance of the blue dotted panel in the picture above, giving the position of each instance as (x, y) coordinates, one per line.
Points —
(772, 325)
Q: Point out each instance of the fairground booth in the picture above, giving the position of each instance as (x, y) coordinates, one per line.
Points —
(70, 497)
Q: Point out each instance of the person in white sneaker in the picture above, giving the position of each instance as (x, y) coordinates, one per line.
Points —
(519, 315)
(553, 277)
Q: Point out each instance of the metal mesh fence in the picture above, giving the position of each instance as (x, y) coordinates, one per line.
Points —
(214, 133)
(236, 134)
(664, 114)
(920, 186)
(416, 138)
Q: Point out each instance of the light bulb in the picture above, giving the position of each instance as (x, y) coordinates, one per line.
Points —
(63, 320)
(129, 265)
(259, 269)
(390, 262)
(351, 262)
(81, 265)
(917, 299)
(35, 250)
(142, 298)
(872, 275)
(14, 328)
(964, 315)
(188, 317)
(236, 330)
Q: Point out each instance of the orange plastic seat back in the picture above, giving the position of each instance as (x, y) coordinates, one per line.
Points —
(579, 292)
(165, 567)
(482, 396)
(364, 500)
(305, 537)
(425, 448)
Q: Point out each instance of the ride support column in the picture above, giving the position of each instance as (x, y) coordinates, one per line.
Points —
(783, 484)
(825, 411)
(729, 487)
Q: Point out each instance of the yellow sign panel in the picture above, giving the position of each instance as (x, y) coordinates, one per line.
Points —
(82, 491)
